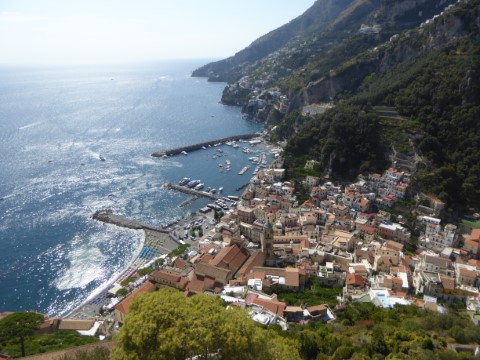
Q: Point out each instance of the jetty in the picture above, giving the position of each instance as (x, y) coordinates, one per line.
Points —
(107, 216)
(205, 144)
(189, 191)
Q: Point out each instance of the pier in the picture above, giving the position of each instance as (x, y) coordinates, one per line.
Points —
(189, 191)
(107, 216)
(188, 202)
(198, 146)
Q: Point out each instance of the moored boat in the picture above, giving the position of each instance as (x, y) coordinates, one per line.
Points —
(184, 181)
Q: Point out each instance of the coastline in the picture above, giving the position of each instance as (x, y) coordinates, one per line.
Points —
(163, 241)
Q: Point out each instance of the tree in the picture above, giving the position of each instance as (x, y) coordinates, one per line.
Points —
(144, 271)
(166, 325)
(20, 325)
(121, 292)
(127, 281)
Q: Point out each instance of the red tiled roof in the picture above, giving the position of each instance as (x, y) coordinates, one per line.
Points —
(390, 244)
(230, 258)
(448, 282)
(255, 259)
(468, 273)
(474, 262)
(276, 307)
(217, 273)
(164, 275)
(367, 229)
(474, 235)
(292, 277)
(146, 287)
(355, 279)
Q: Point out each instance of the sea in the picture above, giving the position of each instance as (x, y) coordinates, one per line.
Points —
(56, 125)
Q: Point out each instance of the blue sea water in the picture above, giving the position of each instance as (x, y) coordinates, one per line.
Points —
(54, 125)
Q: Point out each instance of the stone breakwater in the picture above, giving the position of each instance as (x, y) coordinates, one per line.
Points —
(198, 146)
(107, 216)
(193, 192)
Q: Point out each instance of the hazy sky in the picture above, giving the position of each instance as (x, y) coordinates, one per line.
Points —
(40, 32)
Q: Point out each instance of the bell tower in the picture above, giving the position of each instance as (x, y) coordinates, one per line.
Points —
(267, 241)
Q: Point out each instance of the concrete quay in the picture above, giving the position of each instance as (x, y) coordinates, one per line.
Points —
(107, 216)
(193, 192)
(198, 146)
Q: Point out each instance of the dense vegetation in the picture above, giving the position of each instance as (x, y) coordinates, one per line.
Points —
(45, 343)
(429, 75)
(167, 325)
(345, 140)
(438, 94)
(314, 294)
(444, 98)
(366, 332)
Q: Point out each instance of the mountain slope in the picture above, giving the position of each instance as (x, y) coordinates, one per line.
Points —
(315, 19)
(417, 56)
(430, 75)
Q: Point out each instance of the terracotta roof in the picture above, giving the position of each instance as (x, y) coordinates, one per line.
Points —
(359, 268)
(390, 244)
(438, 261)
(474, 262)
(291, 309)
(250, 297)
(164, 275)
(276, 307)
(474, 235)
(256, 259)
(355, 279)
(180, 263)
(292, 277)
(391, 260)
(122, 306)
(367, 229)
(231, 258)
(448, 282)
(396, 280)
(468, 273)
(256, 275)
(472, 243)
(401, 294)
(206, 258)
(196, 285)
(219, 274)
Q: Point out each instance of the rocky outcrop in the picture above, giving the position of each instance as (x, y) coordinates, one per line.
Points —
(434, 33)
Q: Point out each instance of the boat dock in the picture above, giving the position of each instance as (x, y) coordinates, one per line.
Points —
(193, 192)
(188, 202)
(205, 144)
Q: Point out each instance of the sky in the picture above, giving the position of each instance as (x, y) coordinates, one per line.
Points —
(56, 32)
